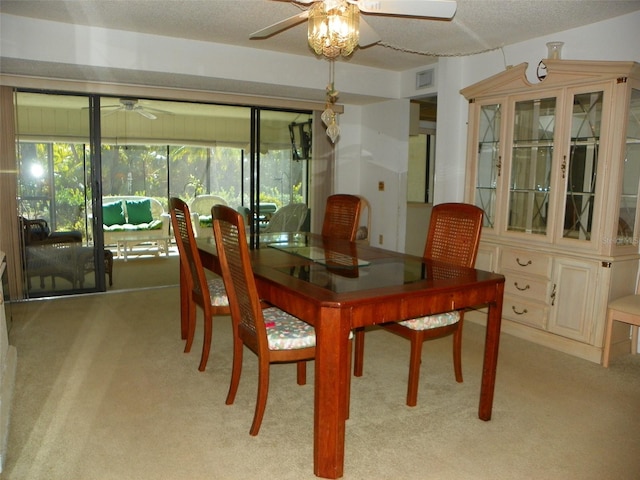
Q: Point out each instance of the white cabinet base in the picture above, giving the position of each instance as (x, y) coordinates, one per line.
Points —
(541, 337)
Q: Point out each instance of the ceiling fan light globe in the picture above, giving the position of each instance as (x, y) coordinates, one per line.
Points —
(333, 28)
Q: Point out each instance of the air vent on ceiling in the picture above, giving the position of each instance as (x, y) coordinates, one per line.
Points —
(424, 79)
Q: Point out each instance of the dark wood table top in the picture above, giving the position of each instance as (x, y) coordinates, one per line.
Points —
(350, 273)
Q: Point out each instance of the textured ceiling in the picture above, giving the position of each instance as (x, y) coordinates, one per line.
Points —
(478, 25)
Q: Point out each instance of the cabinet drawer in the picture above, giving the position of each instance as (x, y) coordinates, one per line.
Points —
(534, 288)
(521, 311)
(532, 263)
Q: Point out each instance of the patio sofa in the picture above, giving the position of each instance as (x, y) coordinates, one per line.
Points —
(134, 220)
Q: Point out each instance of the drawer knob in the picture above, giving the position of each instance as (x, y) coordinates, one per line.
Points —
(522, 264)
(522, 289)
(517, 312)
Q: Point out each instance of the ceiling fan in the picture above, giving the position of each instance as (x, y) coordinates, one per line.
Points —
(408, 8)
(132, 105)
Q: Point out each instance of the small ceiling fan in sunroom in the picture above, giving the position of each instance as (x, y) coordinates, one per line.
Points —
(132, 105)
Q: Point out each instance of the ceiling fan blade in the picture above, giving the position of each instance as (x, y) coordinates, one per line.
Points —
(409, 8)
(145, 114)
(368, 36)
(281, 25)
(157, 110)
(106, 113)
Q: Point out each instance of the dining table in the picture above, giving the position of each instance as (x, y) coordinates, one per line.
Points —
(337, 286)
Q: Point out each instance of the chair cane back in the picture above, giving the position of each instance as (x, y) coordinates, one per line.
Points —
(341, 217)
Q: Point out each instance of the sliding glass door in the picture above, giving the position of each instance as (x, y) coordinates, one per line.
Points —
(54, 164)
(252, 159)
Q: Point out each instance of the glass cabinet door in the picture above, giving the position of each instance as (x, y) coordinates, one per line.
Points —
(531, 162)
(579, 170)
(489, 162)
(628, 216)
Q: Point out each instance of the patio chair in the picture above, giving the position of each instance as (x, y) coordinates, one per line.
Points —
(52, 257)
(288, 218)
(209, 294)
(453, 238)
(35, 231)
(200, 208)
(46, 253)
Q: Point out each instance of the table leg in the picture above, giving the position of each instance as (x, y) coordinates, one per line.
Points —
(491, 344)
(332, 362)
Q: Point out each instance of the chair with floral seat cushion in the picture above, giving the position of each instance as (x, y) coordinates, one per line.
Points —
(272, 334)
(208, 293)
(341, 217)
(453, 238)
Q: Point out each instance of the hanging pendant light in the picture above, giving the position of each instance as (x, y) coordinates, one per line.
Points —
(333, 28)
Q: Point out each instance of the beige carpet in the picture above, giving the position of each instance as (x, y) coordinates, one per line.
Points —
(104, 392)
(142, 270)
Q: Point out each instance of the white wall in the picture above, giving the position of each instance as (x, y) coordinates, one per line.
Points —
(371, 150)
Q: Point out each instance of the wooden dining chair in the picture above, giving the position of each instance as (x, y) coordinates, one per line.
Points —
(207, 293)
(453, 237)
(341, 217)
(272, 334)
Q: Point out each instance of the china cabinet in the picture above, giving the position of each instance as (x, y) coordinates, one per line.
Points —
(556, 167)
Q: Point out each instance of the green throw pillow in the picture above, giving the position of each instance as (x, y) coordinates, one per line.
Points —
(112, 214)
(139, 211)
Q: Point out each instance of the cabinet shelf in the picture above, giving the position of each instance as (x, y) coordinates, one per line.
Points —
(532, 143)
(529, 190)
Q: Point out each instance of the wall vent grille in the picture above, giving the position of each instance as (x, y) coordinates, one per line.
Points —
(424, 79)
